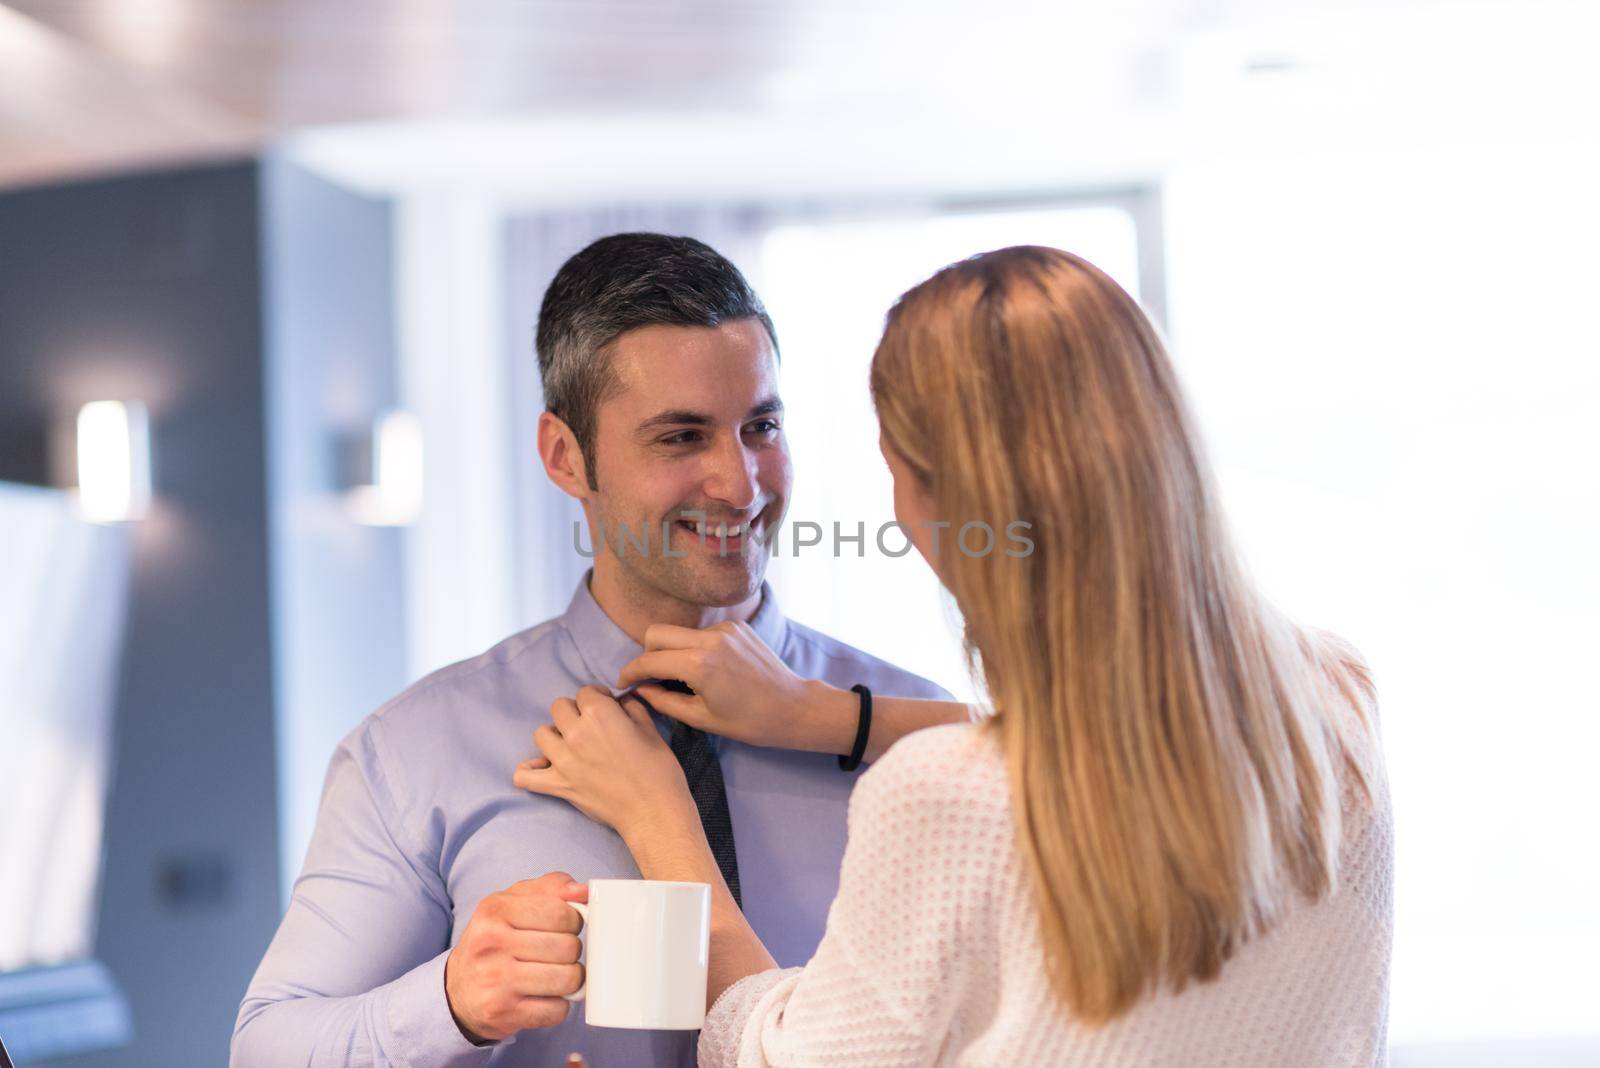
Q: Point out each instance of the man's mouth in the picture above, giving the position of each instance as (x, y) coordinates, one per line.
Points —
(722, 535)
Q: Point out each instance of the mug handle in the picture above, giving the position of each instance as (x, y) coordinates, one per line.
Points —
(583, 910)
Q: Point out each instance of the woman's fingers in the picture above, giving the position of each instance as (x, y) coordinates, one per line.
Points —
(668, 636)
(564, 714)
(550, 743)
(637, 711)
(680, 706)
(683, 664)
(592, 700)
(544, 780)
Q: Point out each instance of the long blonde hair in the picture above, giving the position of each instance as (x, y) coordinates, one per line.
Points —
(1177, 750)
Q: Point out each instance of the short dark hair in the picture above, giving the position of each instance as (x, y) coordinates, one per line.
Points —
(614, 285)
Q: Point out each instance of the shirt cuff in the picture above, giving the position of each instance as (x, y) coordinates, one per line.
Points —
(425, 1035)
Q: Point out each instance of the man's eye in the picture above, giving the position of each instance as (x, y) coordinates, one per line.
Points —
(682, 437)
(763, 426)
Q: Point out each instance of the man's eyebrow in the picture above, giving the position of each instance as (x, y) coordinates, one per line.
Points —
(686, 417)
(676, 417)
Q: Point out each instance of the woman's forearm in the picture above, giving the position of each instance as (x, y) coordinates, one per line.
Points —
(832, 716)
(670, 844)
(677, 851)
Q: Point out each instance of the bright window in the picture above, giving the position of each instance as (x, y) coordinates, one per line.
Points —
(828, 287)
(1395, 362)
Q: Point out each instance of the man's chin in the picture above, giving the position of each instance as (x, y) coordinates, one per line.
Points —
(724, 596)
(735, 585)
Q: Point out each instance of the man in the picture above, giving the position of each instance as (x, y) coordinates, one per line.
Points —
(415, 935)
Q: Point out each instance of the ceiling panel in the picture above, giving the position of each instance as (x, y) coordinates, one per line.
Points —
(93, 85)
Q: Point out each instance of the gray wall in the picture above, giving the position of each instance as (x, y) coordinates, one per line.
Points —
(148, 287)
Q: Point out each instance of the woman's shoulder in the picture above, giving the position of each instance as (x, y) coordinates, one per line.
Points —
(955, 765)
(1343, 671)
(949, 747)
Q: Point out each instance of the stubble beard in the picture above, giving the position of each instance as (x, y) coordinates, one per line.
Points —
(700, 577)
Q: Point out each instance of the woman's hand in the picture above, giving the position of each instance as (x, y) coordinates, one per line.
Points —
(609, 761)
(741, 689)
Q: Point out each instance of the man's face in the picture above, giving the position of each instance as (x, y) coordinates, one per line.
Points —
(692, 440)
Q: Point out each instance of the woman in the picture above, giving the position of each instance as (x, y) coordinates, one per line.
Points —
(1168, 844)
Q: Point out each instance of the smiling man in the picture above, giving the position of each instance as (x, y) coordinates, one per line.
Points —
(417, 934)
(696, 474)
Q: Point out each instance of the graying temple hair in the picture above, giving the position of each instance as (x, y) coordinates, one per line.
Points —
(614, 285)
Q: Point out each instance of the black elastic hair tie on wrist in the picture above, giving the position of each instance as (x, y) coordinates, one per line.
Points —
(863, 728)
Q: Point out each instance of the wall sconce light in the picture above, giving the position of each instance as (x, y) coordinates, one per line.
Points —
(101, 454)
(112, 445)
(383, 472)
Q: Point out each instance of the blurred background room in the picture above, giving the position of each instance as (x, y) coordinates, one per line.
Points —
(269, 271)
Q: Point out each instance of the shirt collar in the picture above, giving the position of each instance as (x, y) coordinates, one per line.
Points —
(605, 648)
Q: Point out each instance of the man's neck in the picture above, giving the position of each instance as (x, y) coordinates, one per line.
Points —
(634, 608)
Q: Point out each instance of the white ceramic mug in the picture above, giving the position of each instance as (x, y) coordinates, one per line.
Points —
(646, 945)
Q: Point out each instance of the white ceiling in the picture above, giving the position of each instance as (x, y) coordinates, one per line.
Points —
(1049, 90)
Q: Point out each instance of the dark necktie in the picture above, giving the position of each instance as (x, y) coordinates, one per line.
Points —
(703, 771)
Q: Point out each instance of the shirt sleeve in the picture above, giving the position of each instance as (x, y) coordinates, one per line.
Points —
(355, 975)
(897, 958)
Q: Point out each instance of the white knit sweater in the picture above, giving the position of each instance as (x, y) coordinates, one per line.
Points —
(932, 952)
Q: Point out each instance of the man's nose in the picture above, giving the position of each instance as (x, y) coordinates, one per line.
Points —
(731, 475)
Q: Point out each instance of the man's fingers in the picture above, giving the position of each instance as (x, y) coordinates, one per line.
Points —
(545, 980)
(549, 883)
(532, 1013)
(681, 664)
(540, 912)
(668, 636)
(544, 947)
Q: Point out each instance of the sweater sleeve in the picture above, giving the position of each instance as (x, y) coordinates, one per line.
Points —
(905, 933)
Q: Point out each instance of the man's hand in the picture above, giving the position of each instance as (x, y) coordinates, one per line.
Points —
(515, 960)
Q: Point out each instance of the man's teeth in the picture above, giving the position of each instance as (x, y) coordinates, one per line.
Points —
(718, 530)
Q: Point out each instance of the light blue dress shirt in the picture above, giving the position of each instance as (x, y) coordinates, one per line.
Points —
(420, 821)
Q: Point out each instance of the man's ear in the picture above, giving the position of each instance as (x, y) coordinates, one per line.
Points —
(563, 459)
